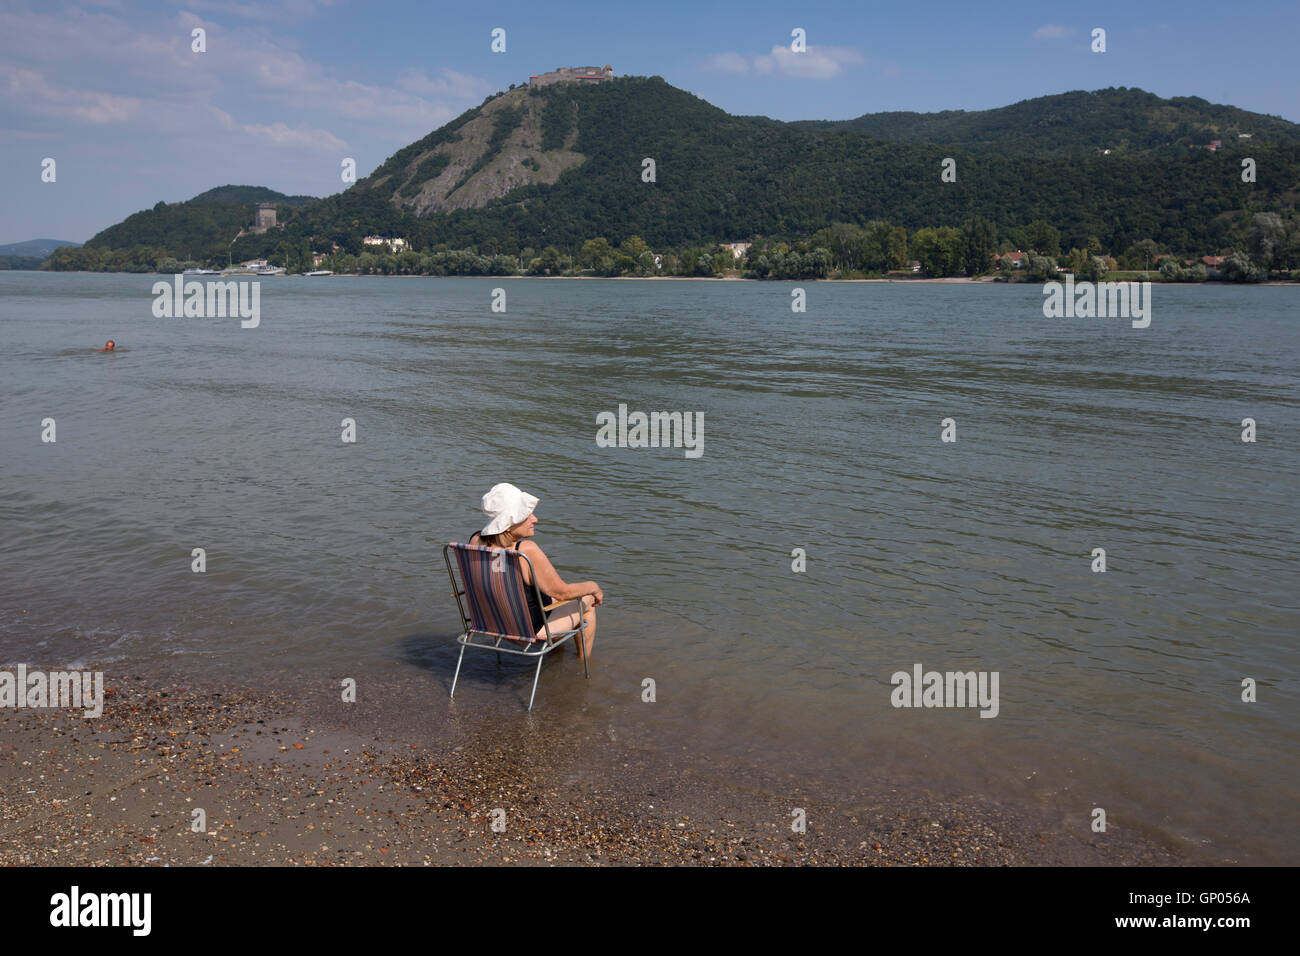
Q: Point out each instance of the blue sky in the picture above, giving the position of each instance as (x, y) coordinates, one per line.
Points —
(114, 94)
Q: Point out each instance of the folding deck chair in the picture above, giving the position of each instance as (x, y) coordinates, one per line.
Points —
(492, 584)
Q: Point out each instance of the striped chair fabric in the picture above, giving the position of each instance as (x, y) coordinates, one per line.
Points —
(494, 589)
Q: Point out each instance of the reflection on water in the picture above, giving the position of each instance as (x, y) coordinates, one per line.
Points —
(822, 433)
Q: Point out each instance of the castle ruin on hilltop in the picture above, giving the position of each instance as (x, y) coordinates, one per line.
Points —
(567, 74)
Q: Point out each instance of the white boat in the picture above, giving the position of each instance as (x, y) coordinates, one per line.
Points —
(319, 272)
(201, 272)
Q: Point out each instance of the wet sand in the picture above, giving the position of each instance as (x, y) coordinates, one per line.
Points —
(308, 781)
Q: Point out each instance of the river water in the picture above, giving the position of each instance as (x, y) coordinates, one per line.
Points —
(822, 431)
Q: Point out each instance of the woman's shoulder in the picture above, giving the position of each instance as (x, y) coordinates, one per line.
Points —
(529, 547)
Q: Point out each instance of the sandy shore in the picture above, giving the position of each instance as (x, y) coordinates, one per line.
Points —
(307, 782)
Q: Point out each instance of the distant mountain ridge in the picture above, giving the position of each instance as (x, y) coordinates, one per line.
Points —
(558, 165)
(563, 164)
(1078, 122)
(34, 247)
(247, 194)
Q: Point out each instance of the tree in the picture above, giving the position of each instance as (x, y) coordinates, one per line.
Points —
(1238, 267)
(1266, 236)
(938, 250)
(1288, 255)
(1042, 267)
(846, 244)
(635, 257)
(593, 252)
(981, 242)
(633, 246)
(1141, 254)
(1044, 238)
(883, 247)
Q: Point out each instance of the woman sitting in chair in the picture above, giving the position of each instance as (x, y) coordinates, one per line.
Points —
(511, 524)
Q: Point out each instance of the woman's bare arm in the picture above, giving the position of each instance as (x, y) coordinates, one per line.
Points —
(549, 580)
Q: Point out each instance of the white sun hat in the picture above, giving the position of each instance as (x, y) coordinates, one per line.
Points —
(506, 506)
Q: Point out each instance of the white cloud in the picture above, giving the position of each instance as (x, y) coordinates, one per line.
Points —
(816, 63)
(727, 63)
(281, 134)
(30, 92)
(449, 83)
(1052, 31)
(140, 116)
(246, 71)
(279, 11)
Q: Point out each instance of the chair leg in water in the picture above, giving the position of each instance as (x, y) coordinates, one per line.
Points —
(454, 679)
(535, 677)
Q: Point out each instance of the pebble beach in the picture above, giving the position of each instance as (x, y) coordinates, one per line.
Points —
(300, 782)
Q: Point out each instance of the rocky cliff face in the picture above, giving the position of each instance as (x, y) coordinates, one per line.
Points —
(495, 152)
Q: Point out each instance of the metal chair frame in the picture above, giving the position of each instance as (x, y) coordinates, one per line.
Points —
(468, 636)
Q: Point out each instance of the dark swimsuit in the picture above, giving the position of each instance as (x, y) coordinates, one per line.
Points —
(530, 595)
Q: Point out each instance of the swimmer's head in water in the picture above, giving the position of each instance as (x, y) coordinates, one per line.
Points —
(109, 345)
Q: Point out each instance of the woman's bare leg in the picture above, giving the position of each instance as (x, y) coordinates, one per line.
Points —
(565, 617)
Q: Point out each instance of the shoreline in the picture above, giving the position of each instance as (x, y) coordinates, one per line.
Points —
(944, 280)
(307, 781)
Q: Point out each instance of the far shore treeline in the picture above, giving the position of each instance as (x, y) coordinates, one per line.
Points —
(551, 182)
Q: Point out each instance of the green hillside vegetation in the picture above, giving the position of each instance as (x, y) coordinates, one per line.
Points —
(549, 181)
(21, 262)
(249, 194)
(1075, 123)
(199, 229)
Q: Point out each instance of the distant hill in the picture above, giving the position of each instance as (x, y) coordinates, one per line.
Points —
(247, 194)
(1076, 123)
(30, 254)
(201, 228)
(34, 247)
(562, 164)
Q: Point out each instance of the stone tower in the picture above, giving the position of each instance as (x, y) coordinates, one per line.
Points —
(265, 217)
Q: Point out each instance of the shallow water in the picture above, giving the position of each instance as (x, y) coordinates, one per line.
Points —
(1119, 690)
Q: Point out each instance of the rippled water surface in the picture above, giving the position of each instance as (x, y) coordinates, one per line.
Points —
(821, 431)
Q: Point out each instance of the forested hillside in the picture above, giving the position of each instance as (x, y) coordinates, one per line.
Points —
(559, 166)
(1077, 123)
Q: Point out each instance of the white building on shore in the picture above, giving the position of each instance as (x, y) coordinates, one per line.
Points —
(394, 245)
